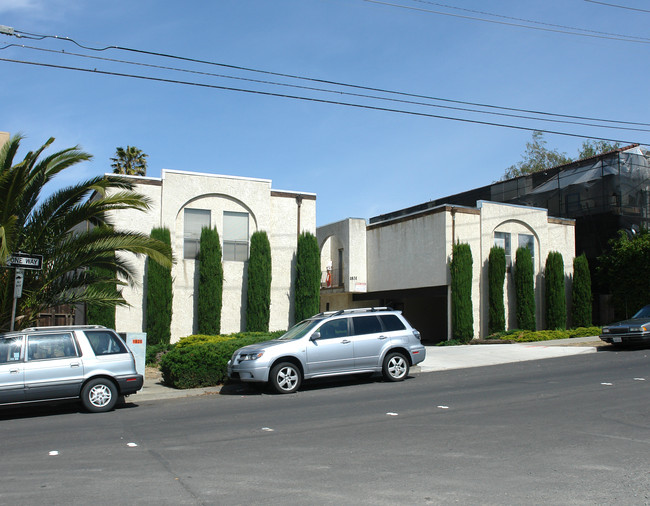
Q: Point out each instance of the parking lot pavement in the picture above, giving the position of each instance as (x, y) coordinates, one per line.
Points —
(439, 358)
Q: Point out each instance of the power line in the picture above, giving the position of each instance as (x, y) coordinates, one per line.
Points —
(623, 38)
(619, 6)
(19, 33)
(316, 100)
(310, 88)
(532, 21)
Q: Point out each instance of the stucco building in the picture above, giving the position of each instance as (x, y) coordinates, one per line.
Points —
(184, 202)
(402, 260)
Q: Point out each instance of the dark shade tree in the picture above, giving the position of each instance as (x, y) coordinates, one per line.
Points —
(625, 270)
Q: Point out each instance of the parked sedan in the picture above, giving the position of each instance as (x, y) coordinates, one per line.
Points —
(636, 330)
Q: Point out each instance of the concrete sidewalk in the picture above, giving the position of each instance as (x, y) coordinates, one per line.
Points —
(439, 358)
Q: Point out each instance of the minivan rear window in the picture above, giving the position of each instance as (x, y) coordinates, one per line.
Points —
(105, 343)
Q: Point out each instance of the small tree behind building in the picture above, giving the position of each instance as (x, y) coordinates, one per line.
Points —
(462, 316)
(307, 277)
(496, 279)
(159, 296)
(525, 289)
(555, 295)
(581, 293)
(258, 296)
(210, 290)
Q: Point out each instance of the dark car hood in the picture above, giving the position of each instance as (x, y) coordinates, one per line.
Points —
(632, 322)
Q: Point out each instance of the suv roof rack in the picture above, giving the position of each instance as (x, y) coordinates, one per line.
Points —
(64, 327)
(355, 310)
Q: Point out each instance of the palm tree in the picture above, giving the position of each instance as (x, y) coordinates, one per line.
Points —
(70, 228)
(130, 161)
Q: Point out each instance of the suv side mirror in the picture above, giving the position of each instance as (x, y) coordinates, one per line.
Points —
(314, 336)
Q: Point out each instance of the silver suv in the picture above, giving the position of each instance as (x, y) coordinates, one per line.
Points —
(334, 343)
(50, 363)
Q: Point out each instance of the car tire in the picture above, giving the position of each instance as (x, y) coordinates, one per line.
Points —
(396, 367)
(99, 395)
(285, 378)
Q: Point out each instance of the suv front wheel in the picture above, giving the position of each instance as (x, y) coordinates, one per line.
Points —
(285, 378)
(99, 395)
(396, 367)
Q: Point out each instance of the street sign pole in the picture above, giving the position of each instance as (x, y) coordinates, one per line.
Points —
(18, 292)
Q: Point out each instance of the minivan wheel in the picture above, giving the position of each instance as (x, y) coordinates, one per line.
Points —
(99, 395)
(285, 378)
(396, 367)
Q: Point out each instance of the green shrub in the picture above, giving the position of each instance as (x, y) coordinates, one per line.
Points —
(204, 363)
(581, 293)
(307, 301)
(555, 295)
(258, 296)
(210, 290)
(525, 289)
(159, 296)
(451, 342)
(496, 279)
(155, 352)
(525, 336)
(462, 316)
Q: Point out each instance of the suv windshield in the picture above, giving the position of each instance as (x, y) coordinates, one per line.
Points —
(298, 330)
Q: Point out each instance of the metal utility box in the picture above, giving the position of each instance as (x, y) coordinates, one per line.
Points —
(137, 343)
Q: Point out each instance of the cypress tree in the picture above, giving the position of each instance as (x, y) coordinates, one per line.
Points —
(258, 296)
(555, 295)
(525, 289)
(159, 296)
(496, 278)
(307, 302)
(210, 290)
(581, 292)
(462, 316)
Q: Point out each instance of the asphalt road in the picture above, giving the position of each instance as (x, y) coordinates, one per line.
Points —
(573, 430)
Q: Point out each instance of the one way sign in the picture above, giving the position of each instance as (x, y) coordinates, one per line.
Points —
(25, 261)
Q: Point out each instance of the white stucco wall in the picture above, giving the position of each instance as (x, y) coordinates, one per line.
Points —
(275, 212)
(409, 253)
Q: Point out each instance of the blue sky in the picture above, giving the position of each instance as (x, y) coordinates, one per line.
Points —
(360, 162)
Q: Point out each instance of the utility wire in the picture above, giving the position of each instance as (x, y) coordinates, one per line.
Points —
(623, 38)
(532, 21)
(310, 88)
(619, 6)
(35, 36)
(317, 100)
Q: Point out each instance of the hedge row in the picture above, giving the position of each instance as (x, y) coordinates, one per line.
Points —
(525, 336)
(201, 361)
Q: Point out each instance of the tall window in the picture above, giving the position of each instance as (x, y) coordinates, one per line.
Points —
(194, 221)
(528, 241)
(235, 236)
(502, 239)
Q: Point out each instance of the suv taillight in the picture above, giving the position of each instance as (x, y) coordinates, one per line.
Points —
(417, 335)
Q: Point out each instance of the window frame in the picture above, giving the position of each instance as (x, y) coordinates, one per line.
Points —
(235, 254)
(192, 239)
